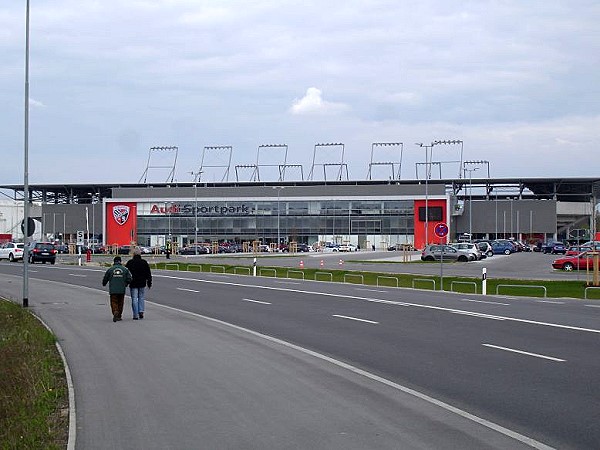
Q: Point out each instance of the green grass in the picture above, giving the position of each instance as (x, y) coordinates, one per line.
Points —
(33, 389)
(529, 288)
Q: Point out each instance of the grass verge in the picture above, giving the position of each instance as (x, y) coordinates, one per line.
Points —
(512, 287)
(34, 405)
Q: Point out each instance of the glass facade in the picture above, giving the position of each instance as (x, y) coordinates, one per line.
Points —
(291, 220)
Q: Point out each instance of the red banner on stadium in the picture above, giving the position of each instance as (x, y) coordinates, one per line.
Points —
(121, 223)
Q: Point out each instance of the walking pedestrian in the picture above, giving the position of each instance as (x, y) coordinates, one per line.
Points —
(118, 278)
(141, 277)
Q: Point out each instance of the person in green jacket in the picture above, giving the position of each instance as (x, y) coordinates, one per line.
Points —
(118, 278)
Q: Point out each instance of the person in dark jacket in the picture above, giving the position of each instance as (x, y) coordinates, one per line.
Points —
(118, 278)
(142, 277)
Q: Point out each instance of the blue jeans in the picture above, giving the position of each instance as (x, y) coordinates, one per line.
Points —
(137, 300)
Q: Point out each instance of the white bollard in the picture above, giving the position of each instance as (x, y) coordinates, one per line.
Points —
(254, 267)
(484, 282)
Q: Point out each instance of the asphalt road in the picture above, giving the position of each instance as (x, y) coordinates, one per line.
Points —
(525, 365)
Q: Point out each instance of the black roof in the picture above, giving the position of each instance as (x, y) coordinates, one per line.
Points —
(563, 189)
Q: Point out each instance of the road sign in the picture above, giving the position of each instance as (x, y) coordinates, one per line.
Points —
(441, 230)
(30, 226)
(80, 238)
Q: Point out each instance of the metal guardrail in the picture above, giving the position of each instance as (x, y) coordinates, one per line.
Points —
(194, 265)
(523, 286)
(294, 271)
(471, 283)
(267, 269)
(586, 291)
(171, 265)
(387, 278)
(324, 273)
(217, 267)
(430, 280)
(356, 275)
(235, 270)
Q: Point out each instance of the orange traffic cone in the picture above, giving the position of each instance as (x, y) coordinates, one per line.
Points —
(301, 264)
(341, 263)
(321, 265)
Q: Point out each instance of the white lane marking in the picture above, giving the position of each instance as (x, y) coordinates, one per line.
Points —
(478, 315)
(78, 275)
(371, 290)
(592, 306)
(286, 282)
(483, 301)
(550, 301)
(256, 301)
(187, 290)
(426, 398)
(521, 352)
(355, 318)
(376, 300)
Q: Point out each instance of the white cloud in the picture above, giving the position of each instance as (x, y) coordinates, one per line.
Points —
(35, 104)
(313, 103)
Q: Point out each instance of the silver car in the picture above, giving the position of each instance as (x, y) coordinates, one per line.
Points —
(470, 249)
(434, 252)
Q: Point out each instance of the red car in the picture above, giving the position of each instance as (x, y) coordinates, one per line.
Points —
(582, 261)
(575, 250)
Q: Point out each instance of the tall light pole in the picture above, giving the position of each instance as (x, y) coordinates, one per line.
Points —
(471, 201)
(427, 175)
(196, 176)
(26, 169)
(279, 188)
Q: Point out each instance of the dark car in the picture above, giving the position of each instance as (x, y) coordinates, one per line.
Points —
(302, 248)
(42, 251)
(194, 250)
(554, 247)
(124, 250)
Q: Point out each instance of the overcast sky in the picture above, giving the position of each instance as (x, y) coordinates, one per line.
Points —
(517, 81)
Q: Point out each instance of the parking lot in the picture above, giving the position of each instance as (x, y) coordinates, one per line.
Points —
(522, 265)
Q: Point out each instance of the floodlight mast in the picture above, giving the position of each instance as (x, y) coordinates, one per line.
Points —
(376, 145)
(452, 142)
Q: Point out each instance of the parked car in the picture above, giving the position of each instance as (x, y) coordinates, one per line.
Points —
(554, 247)
(568, 263)
(62, 248)
(124, 250)
(575, 250)
(42, 251)
(434, 252)
(400, 247)
(470, 249)
(303, 248)
(485, 248)
(502, 247)
(12, 251)
(347, 248)
(193, 250)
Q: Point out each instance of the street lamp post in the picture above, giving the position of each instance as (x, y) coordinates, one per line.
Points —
(279, 188)
(26, 169)
(196, 176)
(471, 201)
(427, 175)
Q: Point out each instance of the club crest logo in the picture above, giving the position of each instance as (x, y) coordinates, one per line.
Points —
(121, 214)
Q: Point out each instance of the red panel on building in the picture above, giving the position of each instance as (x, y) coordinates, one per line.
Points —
(437, 213)
(121, 223)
